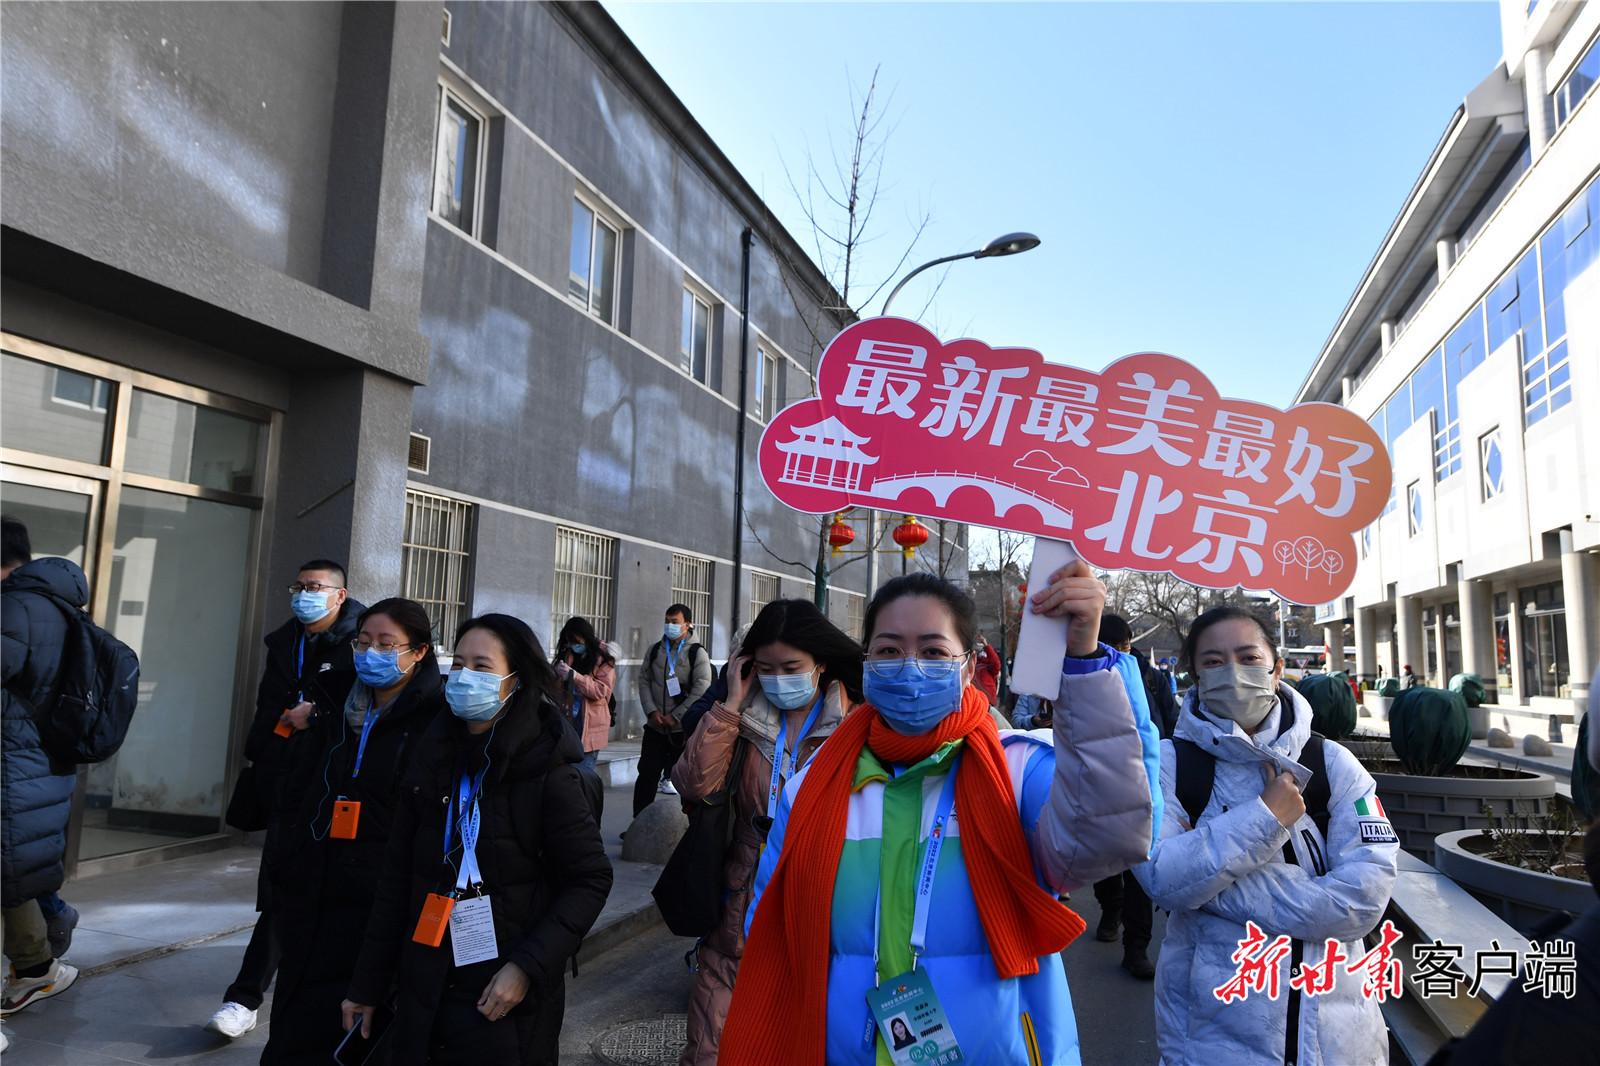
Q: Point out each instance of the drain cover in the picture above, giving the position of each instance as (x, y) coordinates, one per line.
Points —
(648, 1042)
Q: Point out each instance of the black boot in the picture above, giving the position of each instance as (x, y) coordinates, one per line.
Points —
(1110, 926)
(1137, 963)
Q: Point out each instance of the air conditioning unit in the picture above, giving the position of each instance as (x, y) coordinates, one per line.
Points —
(419, 453)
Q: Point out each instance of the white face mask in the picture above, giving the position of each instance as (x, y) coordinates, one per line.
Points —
(1244, 694)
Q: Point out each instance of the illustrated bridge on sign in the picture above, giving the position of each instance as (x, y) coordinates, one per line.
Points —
(942, 484)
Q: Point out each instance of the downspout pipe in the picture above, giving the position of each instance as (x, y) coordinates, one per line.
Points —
(747, 241)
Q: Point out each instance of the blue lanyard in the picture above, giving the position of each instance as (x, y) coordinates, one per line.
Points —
(794, 762)
(300, 669)
(924, 885)
(466, 812)
(672, 654)
(366, 729)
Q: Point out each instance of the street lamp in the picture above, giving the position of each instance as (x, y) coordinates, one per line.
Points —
(1009, 244)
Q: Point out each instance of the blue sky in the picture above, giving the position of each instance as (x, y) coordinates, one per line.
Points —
(1208, 179)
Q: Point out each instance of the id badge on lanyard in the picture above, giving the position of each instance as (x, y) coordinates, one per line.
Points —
(347, 812)
(470, 919)
(905, 1010)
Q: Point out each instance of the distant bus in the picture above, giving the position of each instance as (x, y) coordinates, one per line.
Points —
(1297, 662)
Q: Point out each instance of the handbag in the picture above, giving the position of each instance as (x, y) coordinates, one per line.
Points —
(246, 811)
(689, 891)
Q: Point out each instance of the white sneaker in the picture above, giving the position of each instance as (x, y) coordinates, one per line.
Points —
(5, 1041)
(665, 788)
(232, 1021)
(21, 991)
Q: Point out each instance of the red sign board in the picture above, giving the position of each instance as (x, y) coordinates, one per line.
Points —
(1141, 466)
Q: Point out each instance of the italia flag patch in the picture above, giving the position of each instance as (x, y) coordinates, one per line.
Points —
(1374, 822)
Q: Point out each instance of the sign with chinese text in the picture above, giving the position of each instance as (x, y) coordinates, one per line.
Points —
(1142, 466)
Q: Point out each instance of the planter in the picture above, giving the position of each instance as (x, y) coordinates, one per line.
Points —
(1421, 808)
(1378, 705)
(1524, 898)
(1479, 717)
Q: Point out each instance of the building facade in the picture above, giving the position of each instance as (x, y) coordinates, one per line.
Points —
(1472, 346)
(454, 293)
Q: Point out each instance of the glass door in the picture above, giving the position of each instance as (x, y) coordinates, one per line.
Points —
(62, 512)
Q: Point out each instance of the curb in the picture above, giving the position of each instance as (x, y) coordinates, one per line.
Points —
(634, 923)
(164, 949)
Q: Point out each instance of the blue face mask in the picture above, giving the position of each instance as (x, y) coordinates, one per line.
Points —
(672, 630)
(580, 650)
(913, 695)
(788, 691)
(474, 695)
(309, 606)
(379, 669)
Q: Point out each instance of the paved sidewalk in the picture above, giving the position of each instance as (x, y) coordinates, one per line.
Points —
(159, 944)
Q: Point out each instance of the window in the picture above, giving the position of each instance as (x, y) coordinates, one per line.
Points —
(80, 390)
(592, 274)
(1576, 85)
(694, 347)
(764, 588)
(1491, 465)
(1427, 399)
(457, 168)
(845, 611)
(436, 560)
(1430, 646)
(1568, 248)
(586, 567)
(1545, 662)
(444, 30)
(1414, 507)
(691, 585)
(767, 371)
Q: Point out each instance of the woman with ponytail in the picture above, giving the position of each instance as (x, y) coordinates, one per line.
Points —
(915, 863)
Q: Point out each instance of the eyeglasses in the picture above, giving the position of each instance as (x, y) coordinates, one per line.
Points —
(892, 662)
(313, 586)
(360, 645)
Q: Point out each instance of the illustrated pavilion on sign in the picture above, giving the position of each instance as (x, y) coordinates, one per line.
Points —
(826, 455)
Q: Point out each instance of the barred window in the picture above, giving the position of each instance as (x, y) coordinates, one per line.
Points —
(845, 610)
(691, 585)
(586, 568)
(436, 560)
(764, 588)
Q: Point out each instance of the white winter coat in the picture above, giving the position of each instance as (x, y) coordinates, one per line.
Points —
(1231, 869)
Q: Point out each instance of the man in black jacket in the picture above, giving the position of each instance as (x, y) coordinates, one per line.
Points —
(1123, 903)
(37, 793)
(309, 671)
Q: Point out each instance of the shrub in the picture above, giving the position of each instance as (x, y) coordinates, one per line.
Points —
(1333, 705)
(1430, 730)
(1470, 687)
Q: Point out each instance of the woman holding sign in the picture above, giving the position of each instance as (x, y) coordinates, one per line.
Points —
(913, 868)
(327, 859)
(795, 678)
(496, 871)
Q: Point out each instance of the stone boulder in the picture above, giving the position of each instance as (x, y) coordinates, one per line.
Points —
(1499, 738)
(1534, 745)
(656, 832)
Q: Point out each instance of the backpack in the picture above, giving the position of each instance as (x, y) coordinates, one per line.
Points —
(1197, 769)
(689, 892)
(97, 691)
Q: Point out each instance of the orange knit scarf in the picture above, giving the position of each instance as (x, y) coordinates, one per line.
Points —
(781, 995)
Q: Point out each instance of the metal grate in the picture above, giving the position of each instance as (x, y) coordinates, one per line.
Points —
(418, 453)
(436, 560)
(691, 585)
(845, 610)
(585, 572)
(764, 588)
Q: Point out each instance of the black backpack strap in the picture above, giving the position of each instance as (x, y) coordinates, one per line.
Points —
(1318, 793)
(1197, 768)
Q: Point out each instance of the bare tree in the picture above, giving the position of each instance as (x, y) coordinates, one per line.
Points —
(840, 201)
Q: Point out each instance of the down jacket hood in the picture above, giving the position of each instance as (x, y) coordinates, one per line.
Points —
(56, 576)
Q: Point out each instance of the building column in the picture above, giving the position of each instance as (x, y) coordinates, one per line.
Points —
(1536, 95)
(1477, 634)
(1366, 644)
(1444, 250)
(1385, 335)
(1333, 641)
(1443, 678)
(1408, 633)
(1580, 589)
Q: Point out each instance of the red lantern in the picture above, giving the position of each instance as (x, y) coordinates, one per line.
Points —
(910, 535)
(840, 534)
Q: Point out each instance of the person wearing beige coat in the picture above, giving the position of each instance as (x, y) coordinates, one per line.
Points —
(794, 656)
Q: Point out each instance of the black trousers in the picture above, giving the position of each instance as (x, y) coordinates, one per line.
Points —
(258, 967)
(657, 754)
(1123, 893)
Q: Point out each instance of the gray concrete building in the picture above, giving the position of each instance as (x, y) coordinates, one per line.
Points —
(453, 292)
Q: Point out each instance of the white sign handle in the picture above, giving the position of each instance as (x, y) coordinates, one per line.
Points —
(1042, 641)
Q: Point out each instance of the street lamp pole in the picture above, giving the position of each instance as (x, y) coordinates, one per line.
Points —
(1008, 244)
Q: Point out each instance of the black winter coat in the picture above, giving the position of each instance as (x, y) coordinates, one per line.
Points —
(545, 872)
(1163, 705)
(284, 768)
(36, 796)
(322, 887)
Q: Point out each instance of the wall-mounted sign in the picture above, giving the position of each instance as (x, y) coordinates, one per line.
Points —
(1141, 466)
